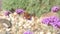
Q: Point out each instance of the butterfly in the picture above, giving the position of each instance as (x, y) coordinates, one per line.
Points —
(28, 15)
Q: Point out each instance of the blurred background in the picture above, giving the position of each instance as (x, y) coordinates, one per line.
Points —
(32, 6)
(0, 4)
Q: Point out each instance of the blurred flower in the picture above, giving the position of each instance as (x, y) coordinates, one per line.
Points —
(19, 11)
(55, 8)
(58, 24)
(28, 32)
(45, 21)
(6, 13)
(53, 21)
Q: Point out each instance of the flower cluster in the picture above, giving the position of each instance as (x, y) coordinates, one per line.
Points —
(55, 8)
(6, 13)
(53, 21)
(19, 11)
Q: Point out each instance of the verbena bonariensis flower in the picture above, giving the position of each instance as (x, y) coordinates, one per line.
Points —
(55, 8)
(53, 21)
(28, 32)
(6, 13)
(45, 21)
(19, 11)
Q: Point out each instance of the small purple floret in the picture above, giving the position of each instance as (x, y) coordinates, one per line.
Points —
(19, 11)
(55, 8)
(45, 21)
(7, 13)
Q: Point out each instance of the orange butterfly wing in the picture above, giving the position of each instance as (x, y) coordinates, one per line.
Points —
(27, 15)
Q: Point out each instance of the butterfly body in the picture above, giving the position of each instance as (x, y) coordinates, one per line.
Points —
(27, 15)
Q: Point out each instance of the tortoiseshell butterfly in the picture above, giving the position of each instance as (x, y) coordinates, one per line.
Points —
(28, 15)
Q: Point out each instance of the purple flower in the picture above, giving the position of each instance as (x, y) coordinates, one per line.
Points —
(53, 21)
(6, 13)
(45, 21)
(58, 24)
(28, 32)
(19, 11)
(55, 8)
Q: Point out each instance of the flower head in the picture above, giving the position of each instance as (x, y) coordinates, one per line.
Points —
(19, 11)
(28, 32)
(45, 21)
(58, 25)
(6, 13)
(55, 8)
(53, 21)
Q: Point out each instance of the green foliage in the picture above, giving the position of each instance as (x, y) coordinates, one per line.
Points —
(32, 6)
